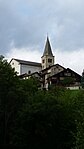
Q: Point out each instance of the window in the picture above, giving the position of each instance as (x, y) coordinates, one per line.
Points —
(29, 72)
(12, 63)
(49, 60)
(43, 61)
(67, 74)
(61, 78)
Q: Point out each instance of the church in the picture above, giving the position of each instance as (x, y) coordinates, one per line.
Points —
(47, 71)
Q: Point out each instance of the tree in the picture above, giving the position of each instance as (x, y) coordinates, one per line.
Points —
(13, 94)
(45, 121)
(79, 120)
(30, 85)
(9, 92)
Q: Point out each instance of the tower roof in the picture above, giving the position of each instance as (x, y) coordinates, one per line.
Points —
(47, 50)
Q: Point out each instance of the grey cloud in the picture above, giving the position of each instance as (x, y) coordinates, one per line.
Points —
(26, 23)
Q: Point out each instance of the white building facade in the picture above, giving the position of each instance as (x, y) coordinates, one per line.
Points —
(22, 67)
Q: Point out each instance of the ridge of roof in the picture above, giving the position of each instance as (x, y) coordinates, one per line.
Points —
(25, 62)
(53, 66)
(63, 71)
(73, 71)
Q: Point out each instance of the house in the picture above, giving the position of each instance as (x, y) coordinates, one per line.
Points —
(47, 71)
(50, 71)
(67, 78)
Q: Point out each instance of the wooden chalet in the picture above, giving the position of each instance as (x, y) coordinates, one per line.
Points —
(67, 78)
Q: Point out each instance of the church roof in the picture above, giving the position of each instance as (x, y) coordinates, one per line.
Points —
(27, 75)
(47, 50)
(27, 62)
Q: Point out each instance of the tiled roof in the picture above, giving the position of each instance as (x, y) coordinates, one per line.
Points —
(27, 75)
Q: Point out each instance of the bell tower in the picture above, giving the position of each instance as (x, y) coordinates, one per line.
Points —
(47, 58)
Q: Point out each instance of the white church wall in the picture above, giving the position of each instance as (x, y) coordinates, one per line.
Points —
(16, 65)
(29, 69)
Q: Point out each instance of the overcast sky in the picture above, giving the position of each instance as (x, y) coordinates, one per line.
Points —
(24, 25)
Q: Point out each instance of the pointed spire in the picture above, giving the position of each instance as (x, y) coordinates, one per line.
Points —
(47, 50)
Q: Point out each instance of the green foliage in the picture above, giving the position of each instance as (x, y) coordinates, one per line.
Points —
(79, 110)
(34, 118)
(45, 120)
(10, 98)
(30, 85)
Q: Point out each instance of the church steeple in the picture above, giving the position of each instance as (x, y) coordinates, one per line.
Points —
(47, 50)
(47, 58)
